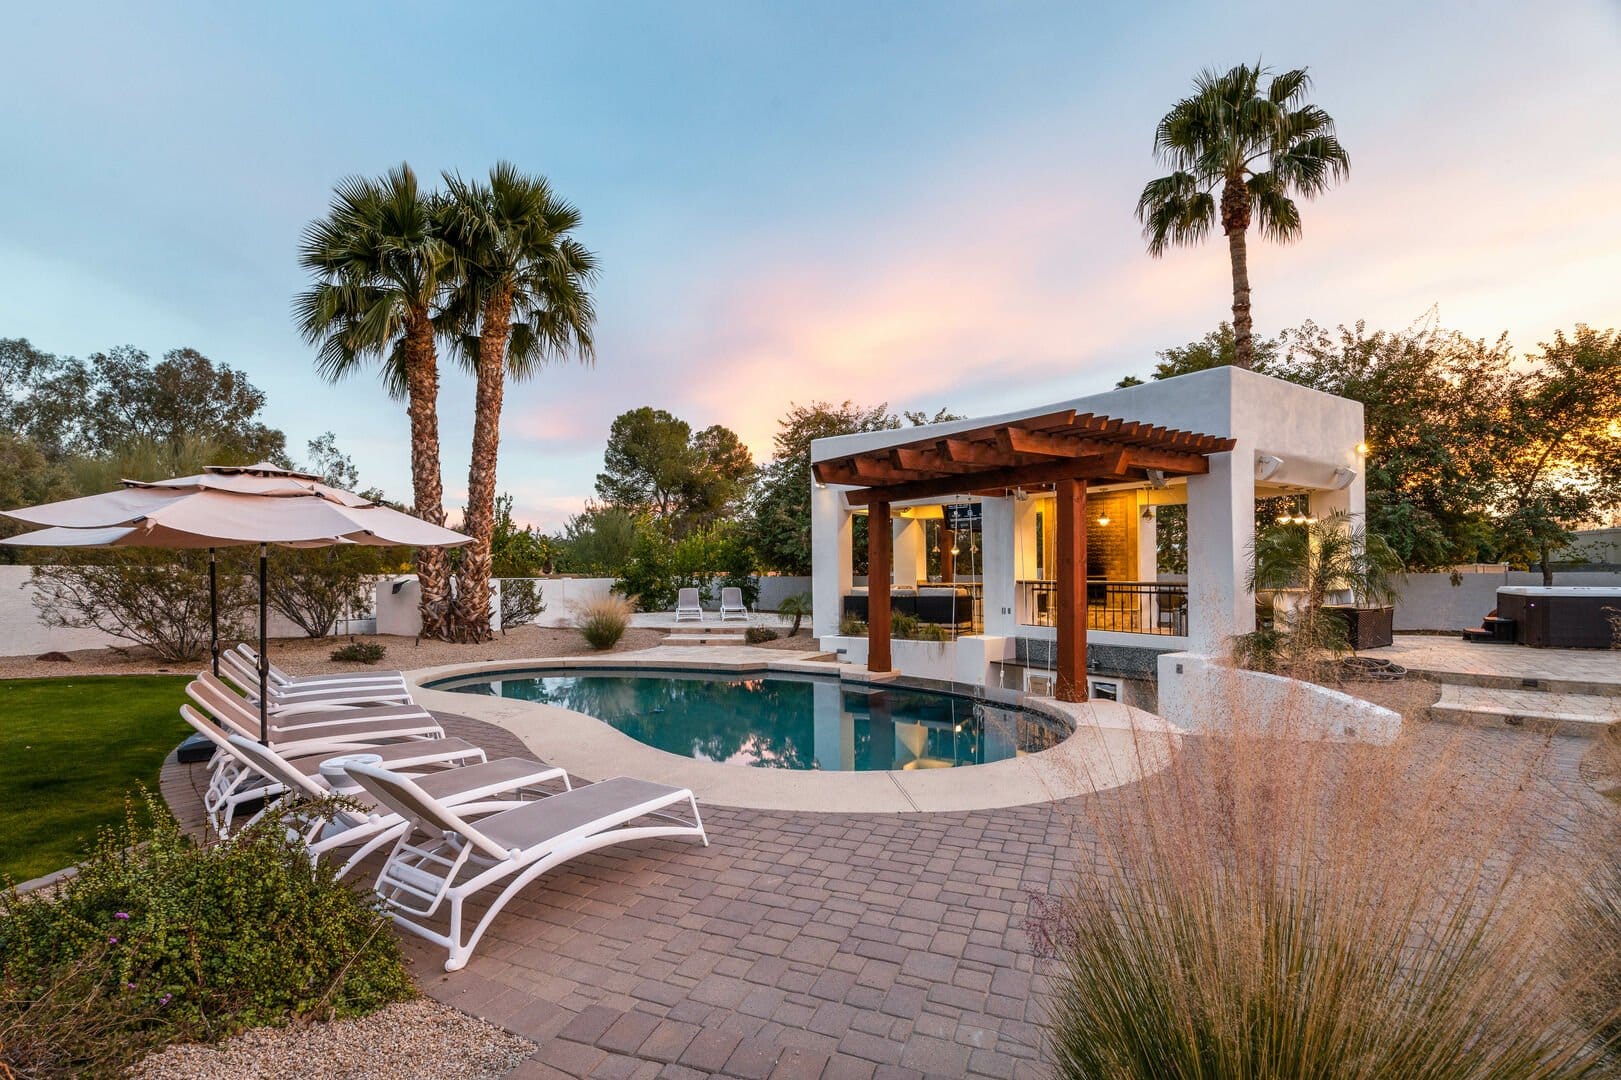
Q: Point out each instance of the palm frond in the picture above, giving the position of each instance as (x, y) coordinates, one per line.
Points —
(1175, 210)
(1275, 213)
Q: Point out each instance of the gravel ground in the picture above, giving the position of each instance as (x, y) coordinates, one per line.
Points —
(304, 655)
(416, 1040)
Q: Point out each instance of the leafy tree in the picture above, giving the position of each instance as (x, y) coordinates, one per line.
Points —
(517, 552)
(779, 515)
(1557, 446)
(707, 559)
(647, 464)
(96, 406)
(27, 478)
(1259, 148)
(656, 466)
(380, 266)
(596, 541)
(522, 298)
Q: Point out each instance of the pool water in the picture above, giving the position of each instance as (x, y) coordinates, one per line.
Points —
(785, 721)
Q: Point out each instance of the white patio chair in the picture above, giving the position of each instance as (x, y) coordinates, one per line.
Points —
(322, 727)
(732, 606)
(287, 681)
(237, 668)
(509, 848)
(687, 605)
(231, 784)
(373, 826)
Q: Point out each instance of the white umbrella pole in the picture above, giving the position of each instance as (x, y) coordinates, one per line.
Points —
(213, 612)
(264, 655)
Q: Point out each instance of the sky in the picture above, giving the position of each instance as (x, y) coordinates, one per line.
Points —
(925, 204)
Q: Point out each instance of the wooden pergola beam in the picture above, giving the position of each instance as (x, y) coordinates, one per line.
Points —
(1094, 467)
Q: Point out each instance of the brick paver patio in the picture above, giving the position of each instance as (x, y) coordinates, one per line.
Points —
(801, 945)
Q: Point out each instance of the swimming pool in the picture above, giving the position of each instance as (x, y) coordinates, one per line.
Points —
(783, 721)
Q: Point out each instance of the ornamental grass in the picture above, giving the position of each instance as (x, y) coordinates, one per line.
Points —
(1274, 905)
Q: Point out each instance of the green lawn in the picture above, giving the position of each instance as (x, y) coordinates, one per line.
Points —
(70, 749)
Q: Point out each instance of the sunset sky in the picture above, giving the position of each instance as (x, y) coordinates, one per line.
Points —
(925, 204)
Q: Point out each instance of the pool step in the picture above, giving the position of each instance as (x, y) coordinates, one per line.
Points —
(1567, 714)
(706, 635)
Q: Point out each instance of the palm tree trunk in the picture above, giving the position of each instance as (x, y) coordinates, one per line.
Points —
(473, 600)
(422, 390)
(1235, 220)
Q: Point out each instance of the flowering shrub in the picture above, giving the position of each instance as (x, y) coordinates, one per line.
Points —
(160, 939)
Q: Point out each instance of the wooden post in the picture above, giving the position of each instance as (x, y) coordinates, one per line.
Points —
(878, 570)
(948, 561)
(1071, 574)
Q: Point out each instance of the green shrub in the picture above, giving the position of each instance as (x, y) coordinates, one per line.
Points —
(360, 652)
(852, 626)
(759, 635)
(160, 939)
(708, 560)
(521, 601)
(603, 621)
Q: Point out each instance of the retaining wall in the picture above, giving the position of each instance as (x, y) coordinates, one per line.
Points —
(1198, 693)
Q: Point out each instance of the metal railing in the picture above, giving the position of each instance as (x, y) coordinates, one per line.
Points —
(1125, 607)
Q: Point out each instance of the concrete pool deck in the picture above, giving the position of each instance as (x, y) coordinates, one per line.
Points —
(1111, 744)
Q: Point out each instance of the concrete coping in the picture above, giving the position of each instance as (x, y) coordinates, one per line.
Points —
(1109, 745)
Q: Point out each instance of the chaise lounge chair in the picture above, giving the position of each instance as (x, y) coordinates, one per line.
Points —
(232, 784)
(371, 826)
(509, 848)
(732, 606)
(235, 667)
(687, 605)
(323, 727)
(285, 681)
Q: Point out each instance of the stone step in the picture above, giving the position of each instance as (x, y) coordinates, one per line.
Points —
(711, 638)
(1532, 710)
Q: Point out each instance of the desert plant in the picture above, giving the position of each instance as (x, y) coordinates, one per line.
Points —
(359, 652)
(852, 626)
(1320, 558)
(158, 599)
(1273, 905)
(160, 939)
(759, 635)
(1593, 956)
(602, 621)
(520, 602)
(315, 587)
(796, 607)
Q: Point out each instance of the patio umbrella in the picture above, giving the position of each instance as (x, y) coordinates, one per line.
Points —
(227, 506)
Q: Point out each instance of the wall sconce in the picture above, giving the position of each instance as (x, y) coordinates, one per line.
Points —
(1362, 449)
(1343, 478)
(1267, 466)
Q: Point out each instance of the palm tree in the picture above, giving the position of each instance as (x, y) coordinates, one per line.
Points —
(1258, 149)
(522, 299)
(380, 267)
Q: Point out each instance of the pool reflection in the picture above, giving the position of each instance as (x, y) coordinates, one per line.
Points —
(787, 722)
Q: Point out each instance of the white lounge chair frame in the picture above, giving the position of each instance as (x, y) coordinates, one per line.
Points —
(328, 728)
(237, 669)
(688, 606)
(287, 679)
(466, 787)
(731, 604)
(460, 859)
(231, 785)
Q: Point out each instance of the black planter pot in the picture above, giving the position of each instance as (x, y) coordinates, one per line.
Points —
(1365, 627)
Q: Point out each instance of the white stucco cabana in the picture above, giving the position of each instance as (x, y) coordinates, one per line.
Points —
(1083, 484)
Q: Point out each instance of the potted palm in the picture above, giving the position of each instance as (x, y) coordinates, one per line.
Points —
(1339, 578)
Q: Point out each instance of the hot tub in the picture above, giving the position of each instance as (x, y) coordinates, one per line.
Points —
(1560, 616)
